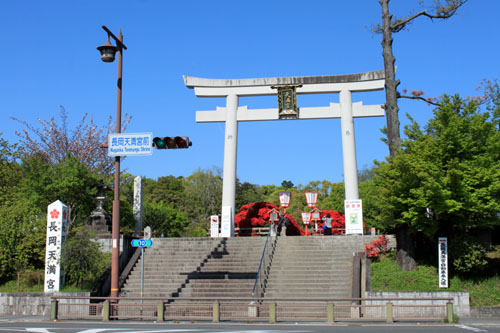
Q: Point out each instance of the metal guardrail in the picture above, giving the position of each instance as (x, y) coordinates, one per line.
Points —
(264, 266)
(265, 309)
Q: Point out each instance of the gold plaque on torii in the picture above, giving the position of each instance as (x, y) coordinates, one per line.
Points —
(287, 102)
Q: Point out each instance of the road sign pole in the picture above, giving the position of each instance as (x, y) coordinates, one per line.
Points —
(142, 275)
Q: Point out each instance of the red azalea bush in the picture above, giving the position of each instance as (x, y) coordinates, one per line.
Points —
(375, 248)
(257, 215)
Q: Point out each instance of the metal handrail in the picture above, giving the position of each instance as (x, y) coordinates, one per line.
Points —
(257, 286)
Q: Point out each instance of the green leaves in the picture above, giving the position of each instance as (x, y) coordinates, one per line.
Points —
(164, 219)
(446, 177)
(82, 259)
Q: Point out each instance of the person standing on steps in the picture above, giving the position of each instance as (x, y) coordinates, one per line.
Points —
(328, 225)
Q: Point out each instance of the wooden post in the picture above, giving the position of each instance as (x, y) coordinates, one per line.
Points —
(105, 311)
(272, 313)
(363, 285)
(160, 316)
(388, 313)
(449, 311)
(331, 314)
(53, 309)
(216, 312)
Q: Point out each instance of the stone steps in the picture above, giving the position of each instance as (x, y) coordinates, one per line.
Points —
(199, 268)
(227, 267)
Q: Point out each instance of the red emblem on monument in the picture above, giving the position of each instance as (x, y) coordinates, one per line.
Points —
(54, 214)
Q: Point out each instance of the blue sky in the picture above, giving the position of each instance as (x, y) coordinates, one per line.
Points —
(49, 59)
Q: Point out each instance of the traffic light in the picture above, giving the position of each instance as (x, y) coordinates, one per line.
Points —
(171, 142)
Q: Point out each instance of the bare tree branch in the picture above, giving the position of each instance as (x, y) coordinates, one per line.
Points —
(427, 100)
(440, 11)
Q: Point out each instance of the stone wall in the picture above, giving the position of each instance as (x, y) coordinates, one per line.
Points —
(485, 312)
(32, 304)
(461, 305)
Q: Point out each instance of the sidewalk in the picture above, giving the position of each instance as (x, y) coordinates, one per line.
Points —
(471, 321)
(21, 318)
(479, 321)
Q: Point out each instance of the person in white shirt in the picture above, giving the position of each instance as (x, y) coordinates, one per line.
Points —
(328, 224)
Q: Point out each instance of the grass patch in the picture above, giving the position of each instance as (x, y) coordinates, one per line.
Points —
(387, 276)
(28, 282)
(30, 287)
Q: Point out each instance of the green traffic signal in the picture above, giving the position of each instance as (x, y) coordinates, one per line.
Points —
(171, 142)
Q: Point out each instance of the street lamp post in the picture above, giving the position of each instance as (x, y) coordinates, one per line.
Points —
(108, 55)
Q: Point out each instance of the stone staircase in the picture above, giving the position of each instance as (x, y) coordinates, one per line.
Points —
(319, 266)
(314, 266)
(197, 267)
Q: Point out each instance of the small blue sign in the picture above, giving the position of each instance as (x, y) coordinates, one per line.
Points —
(142, 242)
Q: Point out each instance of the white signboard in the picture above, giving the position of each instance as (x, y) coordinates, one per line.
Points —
(443, 262)
(306, 218)
(127, 144)
(227, 228)
(214, 226)
(353, 217)
(311, 198)
(285, 199)
(57, 221)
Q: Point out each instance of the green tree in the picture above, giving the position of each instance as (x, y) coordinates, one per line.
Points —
(169, 189)
(446, 179)
(203, 191)
(82, 259)
(164, 219)
(440, 10)
(22, 223)
(247, 193)
(22, 237)
(335, 200)
(69, 181)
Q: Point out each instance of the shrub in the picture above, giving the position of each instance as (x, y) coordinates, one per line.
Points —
(467, 255)
(82, 259)
(375, 248)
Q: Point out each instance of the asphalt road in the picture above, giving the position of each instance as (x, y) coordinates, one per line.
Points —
(136, 327)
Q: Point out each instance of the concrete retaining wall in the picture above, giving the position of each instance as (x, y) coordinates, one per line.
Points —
(485, 312)
(32, 304)
(461, 305)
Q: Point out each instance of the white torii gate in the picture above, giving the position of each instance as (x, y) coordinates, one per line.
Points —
(345, 85)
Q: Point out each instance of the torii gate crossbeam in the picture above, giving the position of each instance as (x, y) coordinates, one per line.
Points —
(344, 85)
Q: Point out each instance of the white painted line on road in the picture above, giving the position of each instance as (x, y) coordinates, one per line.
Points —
(120, 330)
(261, 331)
(40, 330)
(157, 331)
(97, 330)
(468, 328)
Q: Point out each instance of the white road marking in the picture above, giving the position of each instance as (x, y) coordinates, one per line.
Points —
(260, 331)
(97, 330)
(36, 329)
(470, 328)
(120, 330)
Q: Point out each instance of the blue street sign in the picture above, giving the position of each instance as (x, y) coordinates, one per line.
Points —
(142, 242)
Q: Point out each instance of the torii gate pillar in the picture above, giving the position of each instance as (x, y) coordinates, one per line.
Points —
(229, 171)
(344, 85)
(348, 146)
